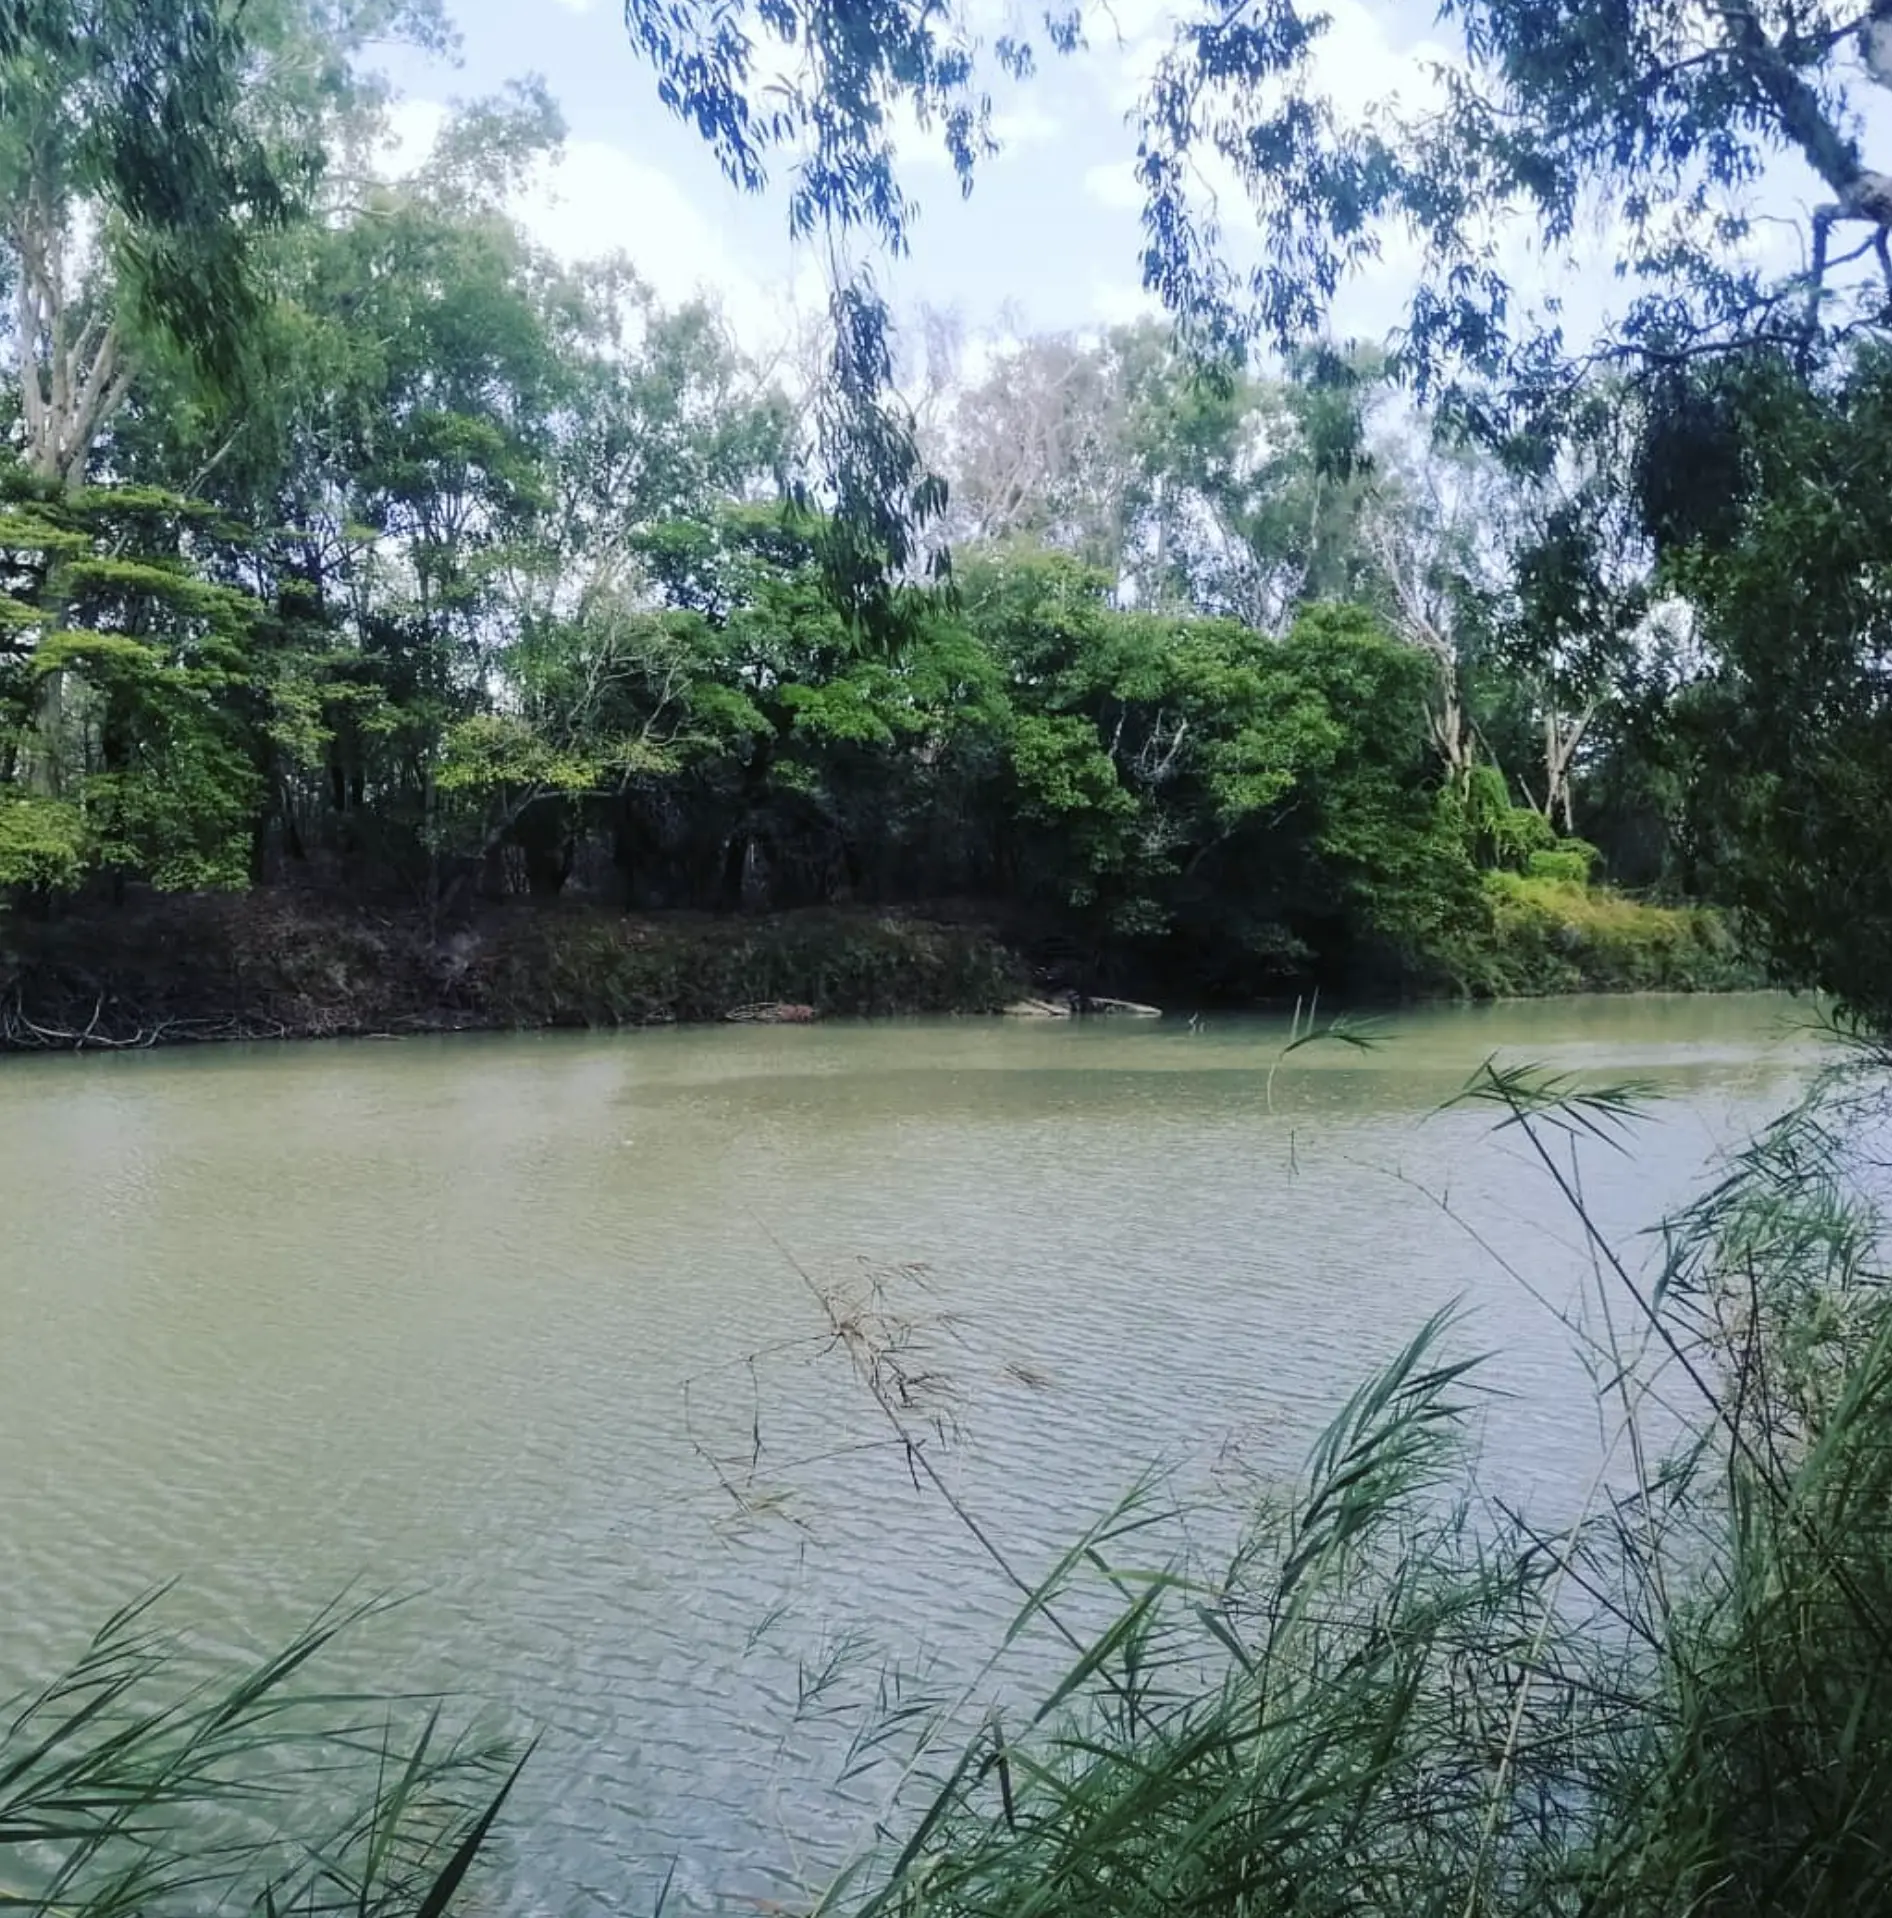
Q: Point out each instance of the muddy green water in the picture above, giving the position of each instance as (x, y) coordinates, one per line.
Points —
(473, 1319)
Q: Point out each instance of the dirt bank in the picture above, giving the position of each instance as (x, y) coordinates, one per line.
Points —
(263, 965)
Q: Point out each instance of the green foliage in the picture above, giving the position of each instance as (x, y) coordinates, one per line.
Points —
(1063, 771)
(1194, 780)
(1192, 487)
(44, 846)
(1731, 370)
(1786, 737)
(1553, 932)
(1549, 110)
(495, 750)
(1570, 862)
(128, 673)
(133, 108)
(507, 581)
(143, 1780)
(1497, 832)
(127, 679)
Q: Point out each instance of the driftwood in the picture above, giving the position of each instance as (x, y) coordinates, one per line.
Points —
(1080, 1005)
(771, 1013)
(19, 1033)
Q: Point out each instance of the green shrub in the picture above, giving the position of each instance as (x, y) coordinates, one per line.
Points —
(1569, 862)
(43, 843)
(1548, 932)
(1495, 831)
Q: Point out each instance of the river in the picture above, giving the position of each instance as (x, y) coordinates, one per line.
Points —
(528, 1328)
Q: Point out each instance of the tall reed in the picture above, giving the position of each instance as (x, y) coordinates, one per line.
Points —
(144, 1781)
(1398, 1698)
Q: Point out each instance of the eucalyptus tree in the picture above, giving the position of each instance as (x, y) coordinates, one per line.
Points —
(124, 118)
(147, 148)
(1192, 487)
(1433, 522)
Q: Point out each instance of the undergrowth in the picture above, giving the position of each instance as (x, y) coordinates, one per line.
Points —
(1552, 933)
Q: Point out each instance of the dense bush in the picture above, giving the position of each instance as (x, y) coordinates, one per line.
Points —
(1231, 814)
(1550, 932)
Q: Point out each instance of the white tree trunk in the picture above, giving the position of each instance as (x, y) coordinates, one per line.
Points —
(72, 379)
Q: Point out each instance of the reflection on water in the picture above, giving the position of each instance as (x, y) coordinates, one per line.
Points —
(424, 1314)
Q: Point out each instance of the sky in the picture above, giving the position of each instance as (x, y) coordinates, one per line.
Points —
(1048, 241)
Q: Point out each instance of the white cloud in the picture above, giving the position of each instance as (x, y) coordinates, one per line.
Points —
(1114, 185)
(597, 199)
(1025, 126)
(1358, 66)
(917, 148)
(1122, 303)
(413, 127)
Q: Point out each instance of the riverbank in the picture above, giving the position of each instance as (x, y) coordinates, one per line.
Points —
(284, 965)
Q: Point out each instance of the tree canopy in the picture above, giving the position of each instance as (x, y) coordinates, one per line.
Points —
(1547, 114)
(485, 576)
(1687, 138)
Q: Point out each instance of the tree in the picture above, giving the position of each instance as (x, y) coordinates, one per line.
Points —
(1670, 116)
(150, 774)
(1770, 496)
(1433, 523)
(1193, 488)
(1287, 491)
(127, 115)
(1673, 119)
(1581, 603)
(1674, 132)
(1252, 804)
(149, 151)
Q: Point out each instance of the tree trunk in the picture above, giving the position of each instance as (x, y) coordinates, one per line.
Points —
(1560, 753)
(69, 388)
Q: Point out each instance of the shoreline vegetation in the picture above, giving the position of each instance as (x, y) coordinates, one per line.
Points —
(179, 969)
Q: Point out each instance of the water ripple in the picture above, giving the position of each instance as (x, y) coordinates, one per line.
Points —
(424, 1315)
